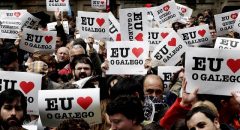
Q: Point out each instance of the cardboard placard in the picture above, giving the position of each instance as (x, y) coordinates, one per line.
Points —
(156, 35)
(29, 21)
(93, 23)
(170, 50)
(33, 40)
(51, 26)
(166, 13)
(213, 71)
(196, 36)
(28, 83)
(57, 5)
(227, 43)
(99, 4)
(166, 73)
(12, 14)
(127, 57)
(225, 21)
(133, 24)
(185, 12)
(114, 28)
(10, 28)
(69, 103)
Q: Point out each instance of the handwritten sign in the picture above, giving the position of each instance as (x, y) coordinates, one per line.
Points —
(28, 83)
(166, 73)
(196, 36)
(69, 103)
(225, 21)
(127, 57)
(213, 72)
(93, 23)
(51, 26)
(99, 4)
(170, 50)
(227, 43)
(156, 35)
(43, 41)
(133, 26)
(9, 28)
(166, 13)
(114, 28)
(185, 12)
(57, 5)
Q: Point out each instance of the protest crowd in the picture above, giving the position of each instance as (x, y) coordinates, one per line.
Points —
(155, 68)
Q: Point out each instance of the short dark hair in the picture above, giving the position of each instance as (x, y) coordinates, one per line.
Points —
(81, 59)
(9, 95)
(129, 106)
(80, 41)
(74, 124)
(202, 109)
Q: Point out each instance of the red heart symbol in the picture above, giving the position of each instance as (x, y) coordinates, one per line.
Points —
(26, 87)
(100, 21)
(102, 2)
(137, 51)
(17, 14)
(201, 32)
(118, 37)
(184, 10)
(139, 37)
(172, 42)
(166, 8)
(234, 65)
(164, 34)
(234, 16)
(48, 39)
(84, 102)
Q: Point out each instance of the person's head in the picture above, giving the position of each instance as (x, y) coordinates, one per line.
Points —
(13, 108)
(82, 67)
(202, 118)
(74, 124)
(153, 86)
(80, 41)
(76, 50)
(200, 17)
(63, 54)
(59, 42)
(9, 61)
(207, 104)
(153, 126)
(213, 32)
(125, 113)
(47, 58)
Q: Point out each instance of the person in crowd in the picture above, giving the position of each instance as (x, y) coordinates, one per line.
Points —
(13, 110)
(74, 124)
(62, 58)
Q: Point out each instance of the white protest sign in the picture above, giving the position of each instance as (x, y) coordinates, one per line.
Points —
(12, 14)
(166, 13)
(82, 82)
(29, 21)
(127, 57)
(28, 83)
(213, 71)
(166, 73)
(30, 127)
(227, 43)
(33, 40)
(156, 35)
(114, 28)
(170, 50)
(225, 21)
(69, 103)
(51, 26)
(99, 4)
(236, 26)
(185, 12)
(133, 24)
(93, 23)
(196, 36)
(9, 28)
(57, 5)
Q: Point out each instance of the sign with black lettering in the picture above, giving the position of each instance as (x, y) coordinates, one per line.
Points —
(225, 21)
(30, 21)
(133, 24)
(127, 57)
(236, 26)
(57, 5)
(185, 12)
(227, 43)
(51, 26)
(69, 103)
(170, 51)
(156, 35)
(34, 40)
(114, 28)
(196, 36)
(12, 14)
(28, 83)
(93, 23)
(213, 71)
(166, 73)
(99, 4)
(10, 28)
(166, 13)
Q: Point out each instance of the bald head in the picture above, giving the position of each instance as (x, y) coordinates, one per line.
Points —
(153, 86)
(77, 50)
(62, 54)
